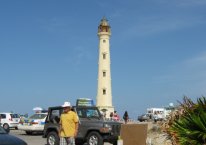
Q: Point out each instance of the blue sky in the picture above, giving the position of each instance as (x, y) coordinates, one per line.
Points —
(49, 52)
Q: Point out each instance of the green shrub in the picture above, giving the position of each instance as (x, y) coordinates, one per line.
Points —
(187, 125)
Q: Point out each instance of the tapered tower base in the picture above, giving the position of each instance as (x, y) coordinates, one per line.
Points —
(106, 110)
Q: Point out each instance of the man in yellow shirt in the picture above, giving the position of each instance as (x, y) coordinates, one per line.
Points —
(69, 123)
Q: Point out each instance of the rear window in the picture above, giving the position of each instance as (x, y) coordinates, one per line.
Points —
(3, 116)
(149, 111)
(38, 116)
(15, 115)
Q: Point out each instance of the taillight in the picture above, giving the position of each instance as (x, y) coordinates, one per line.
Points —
(32, 123)
(21, 122)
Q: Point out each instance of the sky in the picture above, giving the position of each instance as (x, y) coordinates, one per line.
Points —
(49, 52)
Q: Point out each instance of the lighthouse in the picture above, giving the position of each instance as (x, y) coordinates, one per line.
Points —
(104, 88)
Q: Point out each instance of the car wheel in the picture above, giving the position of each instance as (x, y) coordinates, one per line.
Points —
(94, 138)
(79, 143)
(6, 127)
(115, 143)
(52, 138)
(28, 132)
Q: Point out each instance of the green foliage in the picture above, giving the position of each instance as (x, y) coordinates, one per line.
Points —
(189, 128)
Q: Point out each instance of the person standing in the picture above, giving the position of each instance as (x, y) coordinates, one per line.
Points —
(69, 124)
(116, 116)
(125, 117)
(111, 116)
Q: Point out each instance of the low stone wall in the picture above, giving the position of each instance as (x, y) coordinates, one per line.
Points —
(134, 134)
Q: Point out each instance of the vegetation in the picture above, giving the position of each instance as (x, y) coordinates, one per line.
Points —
(187, 125)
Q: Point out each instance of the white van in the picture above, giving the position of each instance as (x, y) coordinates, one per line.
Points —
(156, 113)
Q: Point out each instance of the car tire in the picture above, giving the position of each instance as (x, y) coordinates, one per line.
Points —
(115, 142)
(52, 138)
(28, 132)
(6, 127)
(94, 138)
(79, 143)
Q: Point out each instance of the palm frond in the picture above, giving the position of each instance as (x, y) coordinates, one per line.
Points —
(189, 126)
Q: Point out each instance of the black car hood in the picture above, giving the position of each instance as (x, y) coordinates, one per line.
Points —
(6, 139)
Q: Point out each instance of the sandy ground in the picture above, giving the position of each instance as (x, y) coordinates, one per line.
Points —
(155, 136)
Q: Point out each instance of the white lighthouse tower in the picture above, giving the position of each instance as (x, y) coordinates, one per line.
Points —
(104, 89)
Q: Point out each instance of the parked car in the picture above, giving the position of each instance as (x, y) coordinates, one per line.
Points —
(6, 139)
(93, 129)
(9, 120)
(158, 117)
(157, 114)
(143, 117)
(34, 123)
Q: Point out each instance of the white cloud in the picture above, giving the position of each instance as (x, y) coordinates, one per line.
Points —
(55, 24)
(153, 25)
(183, 3)
(191, 71)
(199, 60)
(190, 2)
(186, 78)
(79, 54)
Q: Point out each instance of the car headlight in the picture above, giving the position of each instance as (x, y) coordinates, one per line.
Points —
(106, 128)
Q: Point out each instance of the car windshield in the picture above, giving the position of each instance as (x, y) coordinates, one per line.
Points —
(38, 116)
(88, 112)
(2, 131)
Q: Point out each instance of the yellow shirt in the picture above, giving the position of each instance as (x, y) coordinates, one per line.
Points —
(67, 121)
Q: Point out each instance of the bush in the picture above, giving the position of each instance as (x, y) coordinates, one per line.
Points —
(187, 125)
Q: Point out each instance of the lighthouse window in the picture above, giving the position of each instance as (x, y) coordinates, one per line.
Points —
(104, 91)
(104, 41)
(104, 56)
(104, 74)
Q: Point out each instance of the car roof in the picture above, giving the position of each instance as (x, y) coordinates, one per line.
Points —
(57, 107)
(7, 113)
(40, 113)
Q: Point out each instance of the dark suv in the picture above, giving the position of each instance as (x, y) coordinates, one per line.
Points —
(93, 129)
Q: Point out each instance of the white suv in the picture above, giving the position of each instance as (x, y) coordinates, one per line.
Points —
(9, 120)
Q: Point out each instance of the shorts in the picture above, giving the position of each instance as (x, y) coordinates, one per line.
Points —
(67, 141)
